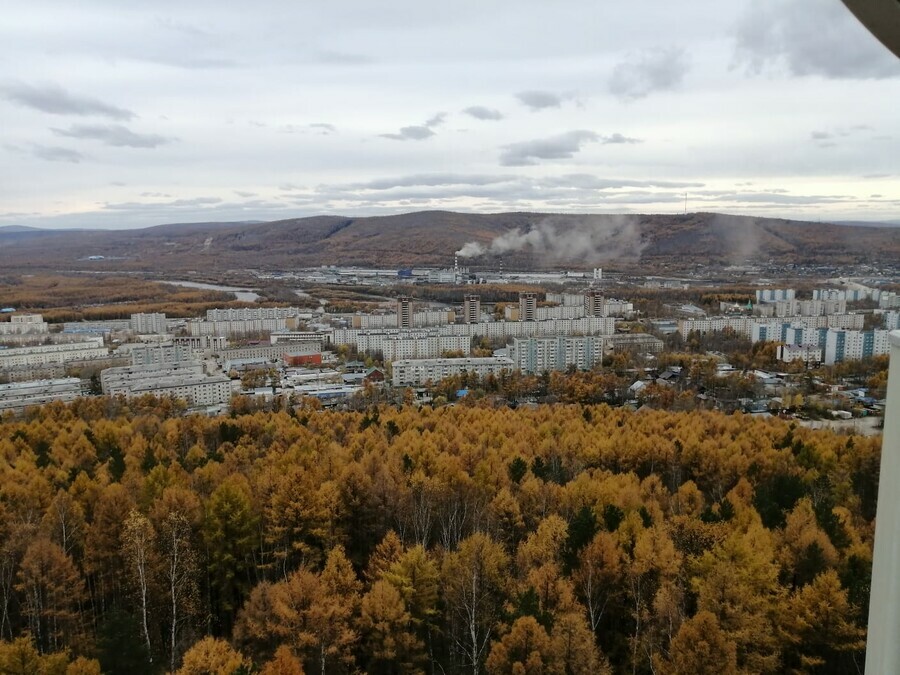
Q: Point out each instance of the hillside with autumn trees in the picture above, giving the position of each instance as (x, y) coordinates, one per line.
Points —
(465, 539)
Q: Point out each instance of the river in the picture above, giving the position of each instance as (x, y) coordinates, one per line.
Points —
(243, 294)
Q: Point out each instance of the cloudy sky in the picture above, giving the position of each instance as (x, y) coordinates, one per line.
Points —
(121, 113)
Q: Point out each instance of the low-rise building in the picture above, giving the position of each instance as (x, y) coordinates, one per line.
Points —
(806, 353)
(38, 355)
(17, 396)
(183, 380)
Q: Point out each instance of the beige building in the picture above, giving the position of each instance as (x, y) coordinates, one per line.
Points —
(472, 308)
(527, 306)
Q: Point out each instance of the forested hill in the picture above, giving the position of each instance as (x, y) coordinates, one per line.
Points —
(563, 539)
(524, 240)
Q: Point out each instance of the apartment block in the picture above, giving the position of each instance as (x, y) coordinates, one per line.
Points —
(54, 353)
(237, 327)
(184, 380)
(251, 313)
(806, 353)
(471, 308)
(416, 372)
(851, 345)
(775, 294)
(539, 354)
(24, 324)
(17, 396)
(527, 306)
(148, 324)
(404, 312)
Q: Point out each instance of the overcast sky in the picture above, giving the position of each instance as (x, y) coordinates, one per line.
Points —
(127, 113)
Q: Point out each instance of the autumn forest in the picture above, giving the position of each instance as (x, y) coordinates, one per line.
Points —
(467, 539)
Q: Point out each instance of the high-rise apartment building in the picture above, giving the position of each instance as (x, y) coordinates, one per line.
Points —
(594, 303)
(404, 312)
(472, 309)
(527, 306)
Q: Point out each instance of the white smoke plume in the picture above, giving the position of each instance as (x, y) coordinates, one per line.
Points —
(588, 239)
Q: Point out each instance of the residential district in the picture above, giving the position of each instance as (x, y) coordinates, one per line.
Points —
(407, 347)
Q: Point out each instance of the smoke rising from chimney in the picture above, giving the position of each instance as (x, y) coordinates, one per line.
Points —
(588, 239)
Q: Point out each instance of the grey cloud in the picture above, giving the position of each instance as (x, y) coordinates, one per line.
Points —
(56, 154)
(820, 135)
(55, 100)
(649, 71)
(157, 206)
(433, 180)
(324, 127)
(242, 193)
(780, 198)
(414, 133)
(563, 146)
(809, 37)
(418, 132)
(538, 100)
(617, 139)
(481, 112)
(590, 182)
(113, 134)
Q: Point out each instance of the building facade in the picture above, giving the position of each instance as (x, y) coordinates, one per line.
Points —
(539, 354)
(417, 372)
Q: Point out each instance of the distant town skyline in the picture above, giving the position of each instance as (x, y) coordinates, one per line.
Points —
(131, 115)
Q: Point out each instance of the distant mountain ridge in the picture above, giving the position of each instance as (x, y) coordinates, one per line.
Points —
(430, 238)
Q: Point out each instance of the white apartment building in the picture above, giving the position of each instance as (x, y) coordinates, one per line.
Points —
(891, 320)
(373, 341)
(426, 347)
(744, 326)
(148, 324)
(789, 308)
(296, 336)
(851, 345)
(567, 299)
(184, 380)
(144, 354)
(416, 372)
(19, 395)
(201, 343)
(39, 355)
(767, 331)
(24, 324)
(235, 327)
(848, 295)
(539, 354)
(889, 300)
(511, 313)
(775, 294)
(801, 336)
(252, 313)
